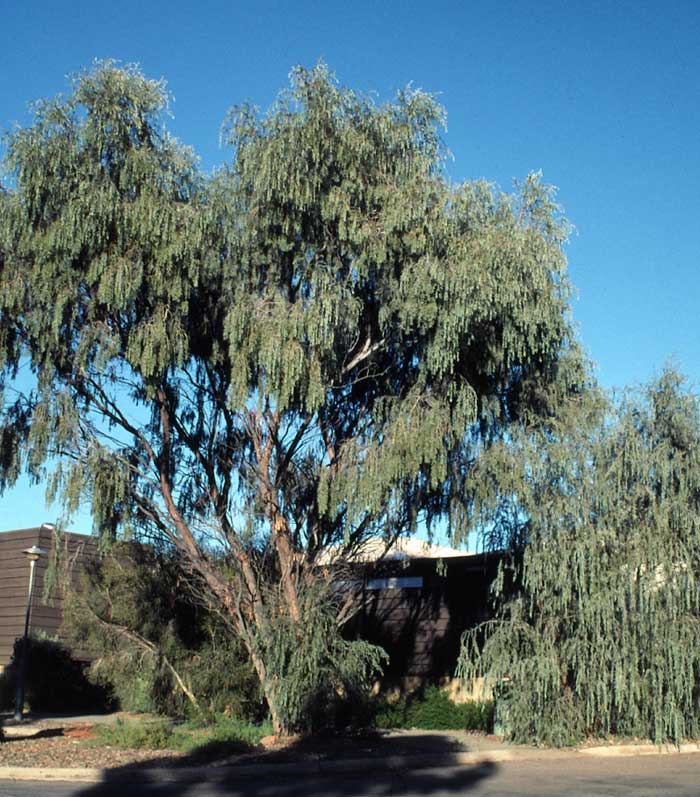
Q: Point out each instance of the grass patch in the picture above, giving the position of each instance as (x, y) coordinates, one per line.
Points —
(224, 736)
(135, 735)
(433, 710)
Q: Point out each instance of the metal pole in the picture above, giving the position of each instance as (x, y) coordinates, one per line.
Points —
(21, 680)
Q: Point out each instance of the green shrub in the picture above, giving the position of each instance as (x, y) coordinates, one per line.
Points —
(220, 674)
(132, 686)
(432, 709)
(150, 735)
(141, 626)
(479, 715)
(224, 736)
(55, 681)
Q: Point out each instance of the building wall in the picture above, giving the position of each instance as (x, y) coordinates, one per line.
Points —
(14, 583)
(418, 610)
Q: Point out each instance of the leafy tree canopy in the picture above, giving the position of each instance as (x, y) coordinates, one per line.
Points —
(309, 347)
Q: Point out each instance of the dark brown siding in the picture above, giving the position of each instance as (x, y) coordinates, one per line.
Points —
(420, 628)
(14, 582)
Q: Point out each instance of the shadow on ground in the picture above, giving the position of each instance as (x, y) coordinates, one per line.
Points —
(311, 767)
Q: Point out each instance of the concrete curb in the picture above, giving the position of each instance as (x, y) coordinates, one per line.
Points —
(622, 750)
(330, 767)
(11, 731)
(74, 775)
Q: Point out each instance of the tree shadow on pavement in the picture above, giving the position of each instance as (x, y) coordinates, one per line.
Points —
(417, 764)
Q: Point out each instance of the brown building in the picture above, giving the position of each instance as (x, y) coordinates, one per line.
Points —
(418, 609)
(14, 583)
(415, 606)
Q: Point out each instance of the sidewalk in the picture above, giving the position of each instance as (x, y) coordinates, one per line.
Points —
(39, 722)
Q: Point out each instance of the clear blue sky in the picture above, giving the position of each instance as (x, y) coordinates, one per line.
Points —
(602, 96)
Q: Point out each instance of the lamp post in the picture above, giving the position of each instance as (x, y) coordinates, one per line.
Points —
(33, 554)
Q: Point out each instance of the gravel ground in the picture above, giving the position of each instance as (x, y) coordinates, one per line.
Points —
(69, 747)
(69, 744)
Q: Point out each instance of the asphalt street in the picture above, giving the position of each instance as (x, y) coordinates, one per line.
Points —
(674, 776)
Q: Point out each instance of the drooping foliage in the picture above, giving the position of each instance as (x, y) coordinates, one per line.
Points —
(597, 629)
(320, 679)
(308, 348)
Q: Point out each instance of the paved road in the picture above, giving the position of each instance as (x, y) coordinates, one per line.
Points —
(671, 776)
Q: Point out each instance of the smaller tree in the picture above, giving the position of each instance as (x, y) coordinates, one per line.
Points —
(155, 645)
(597, 628)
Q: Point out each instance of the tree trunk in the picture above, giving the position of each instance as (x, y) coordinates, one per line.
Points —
(285, 554)
(267, 689)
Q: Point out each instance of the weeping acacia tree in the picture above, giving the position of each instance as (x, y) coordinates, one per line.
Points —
(598, 625)
(308, 348)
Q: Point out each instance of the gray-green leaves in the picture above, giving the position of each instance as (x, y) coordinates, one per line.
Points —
(597, 628)
(312, 346)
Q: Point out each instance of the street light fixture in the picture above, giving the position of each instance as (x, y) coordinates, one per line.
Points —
(33, 554)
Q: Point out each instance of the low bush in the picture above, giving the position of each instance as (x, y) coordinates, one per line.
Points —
(225, 735)
(230, 728)
(55, 681)
(433, 709)
(149, 735)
